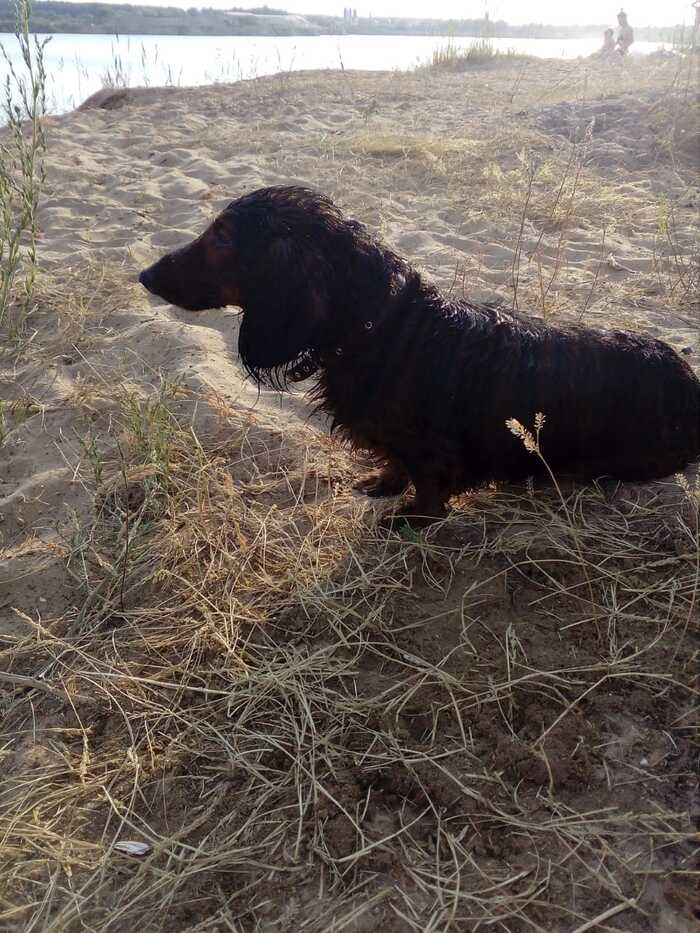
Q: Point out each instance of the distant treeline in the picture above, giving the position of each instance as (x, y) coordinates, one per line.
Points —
(478, 27)
(125, 19)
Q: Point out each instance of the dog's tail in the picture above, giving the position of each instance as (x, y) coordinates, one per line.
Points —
(695, 440)
(694, 419)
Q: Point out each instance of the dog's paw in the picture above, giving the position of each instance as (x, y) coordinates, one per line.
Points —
(382, 483)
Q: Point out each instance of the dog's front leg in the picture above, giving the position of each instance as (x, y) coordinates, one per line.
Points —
(427, 506)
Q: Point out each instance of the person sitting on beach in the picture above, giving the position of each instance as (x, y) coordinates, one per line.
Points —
(625, 34)
(608, 48)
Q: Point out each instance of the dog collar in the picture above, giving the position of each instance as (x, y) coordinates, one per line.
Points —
(367, 326)
(397, 291)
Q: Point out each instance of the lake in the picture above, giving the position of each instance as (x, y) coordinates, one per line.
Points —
(79, 65)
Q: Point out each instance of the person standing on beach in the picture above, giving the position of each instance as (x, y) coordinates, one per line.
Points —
(625, 34)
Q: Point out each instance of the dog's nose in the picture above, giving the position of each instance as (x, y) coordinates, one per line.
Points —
(146, 278)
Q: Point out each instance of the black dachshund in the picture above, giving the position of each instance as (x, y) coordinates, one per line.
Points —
(422, 381)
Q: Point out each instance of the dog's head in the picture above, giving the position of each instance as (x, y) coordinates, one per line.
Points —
(297, 267)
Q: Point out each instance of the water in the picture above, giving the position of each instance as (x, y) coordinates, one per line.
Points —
(79, 65)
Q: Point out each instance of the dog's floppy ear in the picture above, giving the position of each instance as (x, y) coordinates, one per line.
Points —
(285, 305)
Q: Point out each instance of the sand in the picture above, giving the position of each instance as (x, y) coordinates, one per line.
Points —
(439, 165)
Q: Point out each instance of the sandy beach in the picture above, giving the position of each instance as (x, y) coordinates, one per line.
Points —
(209, 647)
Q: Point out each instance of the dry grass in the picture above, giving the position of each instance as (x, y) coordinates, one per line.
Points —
(546, 163)
(269, 695)
(549, 201)
(481, 52)
(307, 724)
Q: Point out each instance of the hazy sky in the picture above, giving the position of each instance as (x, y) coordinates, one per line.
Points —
(640, 12)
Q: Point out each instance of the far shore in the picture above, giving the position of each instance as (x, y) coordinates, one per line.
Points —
(132, 20)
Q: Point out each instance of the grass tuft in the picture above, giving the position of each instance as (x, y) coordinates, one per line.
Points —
(452, 57)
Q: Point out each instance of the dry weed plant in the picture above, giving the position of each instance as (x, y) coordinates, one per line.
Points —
(676, 259)
(75, 303)
(22, 154)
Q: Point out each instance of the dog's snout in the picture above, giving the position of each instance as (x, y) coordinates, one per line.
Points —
(146, 277)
